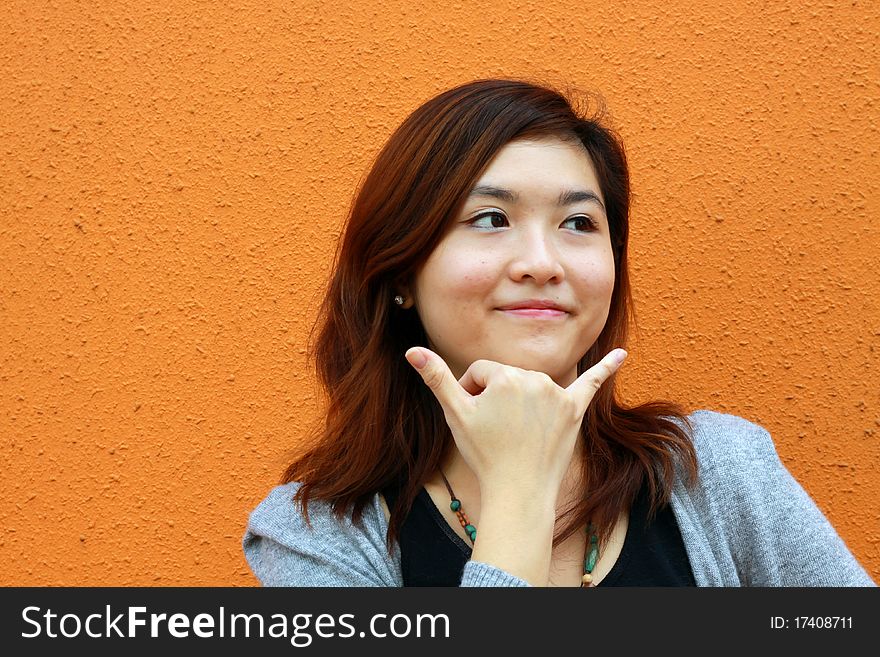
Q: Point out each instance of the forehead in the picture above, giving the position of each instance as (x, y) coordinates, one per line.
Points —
(570, 157)
(541, 166)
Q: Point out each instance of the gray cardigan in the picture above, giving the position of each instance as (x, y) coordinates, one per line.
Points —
(746, 523)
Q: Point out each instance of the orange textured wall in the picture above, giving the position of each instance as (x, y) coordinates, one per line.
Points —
(174, 178)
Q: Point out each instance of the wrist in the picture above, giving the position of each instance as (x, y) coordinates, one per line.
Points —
(524, 497)
(516, 535)
(536, 510)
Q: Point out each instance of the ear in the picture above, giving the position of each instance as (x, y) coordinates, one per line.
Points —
(404, 290)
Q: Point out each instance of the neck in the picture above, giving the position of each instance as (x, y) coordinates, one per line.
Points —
(467, 487)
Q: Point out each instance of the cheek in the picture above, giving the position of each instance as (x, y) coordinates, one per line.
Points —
(453, 293)
(472, 286)
(460, 277)
(596, 280)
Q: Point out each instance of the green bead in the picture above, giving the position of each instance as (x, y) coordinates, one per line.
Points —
(473, 535)
(470, 529)
(455, 505)
(591, 559)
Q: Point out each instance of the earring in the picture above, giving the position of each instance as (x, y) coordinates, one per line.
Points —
(398, 300)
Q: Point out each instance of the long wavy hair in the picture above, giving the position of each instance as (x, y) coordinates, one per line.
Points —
(383, 426)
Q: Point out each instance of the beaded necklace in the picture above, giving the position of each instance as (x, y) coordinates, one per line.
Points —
(590, 557)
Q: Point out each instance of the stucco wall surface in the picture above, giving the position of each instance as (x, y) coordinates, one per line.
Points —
(174, 176)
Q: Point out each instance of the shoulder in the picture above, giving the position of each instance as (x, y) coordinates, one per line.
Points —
(737, 463)
(736, 458)
(279, 517)
(281, 547)
(748, 520)
(724, 441)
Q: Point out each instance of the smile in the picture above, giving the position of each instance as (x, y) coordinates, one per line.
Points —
(536, 313)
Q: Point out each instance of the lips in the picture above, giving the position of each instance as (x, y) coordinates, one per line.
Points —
(547, 313)
(535, 309)
(534, 304)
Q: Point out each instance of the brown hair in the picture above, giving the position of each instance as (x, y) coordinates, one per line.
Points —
(383, 425)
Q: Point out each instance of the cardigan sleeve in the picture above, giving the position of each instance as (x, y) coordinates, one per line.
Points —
(282, 550)
(778, 535)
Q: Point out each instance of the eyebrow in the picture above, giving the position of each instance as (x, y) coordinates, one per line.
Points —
(566, 197)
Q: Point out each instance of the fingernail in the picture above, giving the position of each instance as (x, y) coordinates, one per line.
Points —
(417, 359)
(620, 356)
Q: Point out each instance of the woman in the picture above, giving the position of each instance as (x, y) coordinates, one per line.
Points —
(468, 345)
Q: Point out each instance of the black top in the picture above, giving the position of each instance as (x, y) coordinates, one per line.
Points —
(432, 554)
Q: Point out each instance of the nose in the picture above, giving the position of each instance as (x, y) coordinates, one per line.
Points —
(536, 256)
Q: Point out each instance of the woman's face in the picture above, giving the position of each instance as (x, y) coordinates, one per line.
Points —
(533, 228)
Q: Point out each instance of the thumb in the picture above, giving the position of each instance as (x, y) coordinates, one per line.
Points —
(587, 384)
(436, 375)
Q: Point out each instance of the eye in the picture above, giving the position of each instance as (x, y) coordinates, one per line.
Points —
(584, 223)
(493, 217)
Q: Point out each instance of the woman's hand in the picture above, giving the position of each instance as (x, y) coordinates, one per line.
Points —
(515, 428)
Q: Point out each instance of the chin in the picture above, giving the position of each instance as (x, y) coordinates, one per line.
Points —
(549, 366)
